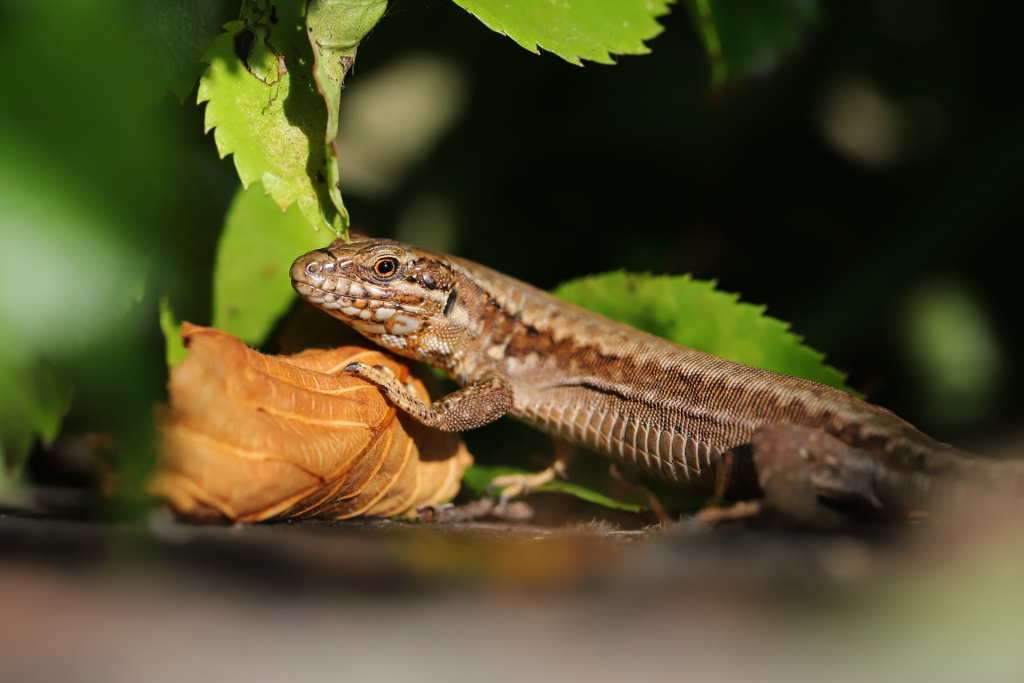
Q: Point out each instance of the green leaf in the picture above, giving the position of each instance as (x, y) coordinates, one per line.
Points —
(574, 29)
(175, 33)
(33, 402)
(336, 27)
(692, 313)
(749, 37)
(176, 351)
(251, 288)
(478, 479)
(266, 110)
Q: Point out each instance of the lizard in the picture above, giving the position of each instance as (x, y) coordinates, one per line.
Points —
(705, 424)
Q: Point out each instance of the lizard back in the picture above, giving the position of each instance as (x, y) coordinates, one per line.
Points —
(671, 411)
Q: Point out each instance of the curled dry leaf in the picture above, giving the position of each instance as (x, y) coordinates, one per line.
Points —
(250, 437)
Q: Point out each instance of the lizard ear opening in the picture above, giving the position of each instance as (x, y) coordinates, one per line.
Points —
(450, 304)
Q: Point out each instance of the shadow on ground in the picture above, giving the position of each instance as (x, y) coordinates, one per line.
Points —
(166, 601)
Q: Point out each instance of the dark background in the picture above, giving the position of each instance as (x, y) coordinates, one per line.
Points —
(559, 171)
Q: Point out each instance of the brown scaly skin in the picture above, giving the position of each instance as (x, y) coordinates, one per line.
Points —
(673, 412)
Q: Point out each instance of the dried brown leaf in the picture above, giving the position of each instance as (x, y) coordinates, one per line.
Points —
(250, 437)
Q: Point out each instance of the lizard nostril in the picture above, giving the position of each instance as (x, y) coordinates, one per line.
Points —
(313, 268)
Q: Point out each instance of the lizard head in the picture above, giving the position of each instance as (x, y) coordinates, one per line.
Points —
(398, 296)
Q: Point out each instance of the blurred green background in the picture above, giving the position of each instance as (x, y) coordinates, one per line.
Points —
(866, 189)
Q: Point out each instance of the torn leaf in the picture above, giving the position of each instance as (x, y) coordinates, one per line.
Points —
(264, 108)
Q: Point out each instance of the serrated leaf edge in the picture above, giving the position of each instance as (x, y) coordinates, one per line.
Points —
(600, 56)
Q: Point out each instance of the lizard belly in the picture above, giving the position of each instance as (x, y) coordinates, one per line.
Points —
(655, 444)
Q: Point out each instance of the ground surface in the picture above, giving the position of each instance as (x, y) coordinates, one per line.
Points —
(375, 600)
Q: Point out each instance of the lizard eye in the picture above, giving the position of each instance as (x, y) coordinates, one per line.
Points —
(386, 266)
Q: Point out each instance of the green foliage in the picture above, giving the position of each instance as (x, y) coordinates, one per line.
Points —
(336, 27)
(84, 172)
(582, 29)
(749, 37)
(173, 36)
(251, 289)
(953, 347)
(170, 326)
(33, 401)
(265, 107)
(47, 236)
(39, 317)
(692, 313)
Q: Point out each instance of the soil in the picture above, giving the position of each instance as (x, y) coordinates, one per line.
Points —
(163, 600)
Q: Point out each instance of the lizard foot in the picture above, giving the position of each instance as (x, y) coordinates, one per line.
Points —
(744, 512)
(515, 485)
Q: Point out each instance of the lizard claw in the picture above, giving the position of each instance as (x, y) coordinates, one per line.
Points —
(377, 375)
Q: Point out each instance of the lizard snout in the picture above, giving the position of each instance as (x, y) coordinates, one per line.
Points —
(312, 268)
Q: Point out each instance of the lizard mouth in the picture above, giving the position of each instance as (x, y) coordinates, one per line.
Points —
(342, 302)
(367, 316)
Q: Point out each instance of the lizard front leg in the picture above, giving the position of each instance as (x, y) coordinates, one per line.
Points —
(475, 405)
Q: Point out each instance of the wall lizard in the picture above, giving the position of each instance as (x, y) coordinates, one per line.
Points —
(696, 421)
